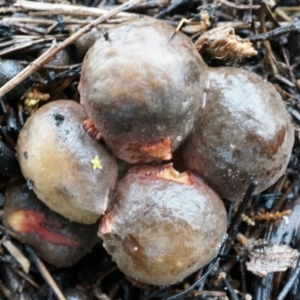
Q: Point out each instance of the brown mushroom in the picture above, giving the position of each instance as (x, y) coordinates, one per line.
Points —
(140, 86)
(164, 225)
(71, 173)
(243, 134)
(59, 242)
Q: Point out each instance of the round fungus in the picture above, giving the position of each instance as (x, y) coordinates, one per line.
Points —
(58, 241)
(140, 86)
(70, 172)
(243, 134)
(163, 225)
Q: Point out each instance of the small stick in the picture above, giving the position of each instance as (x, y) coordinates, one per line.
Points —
(288, 66)
(270, 15)
(233, 229)
(6, 10)
(277, 206)
(290, 282)
(28, 20)
(209, 270)
(231, 291)
(294, 26)
(243, 276)
(50, 67)
(241, 7)
(23, 45)
(27, 278)
(269, 54)
(45, 273)
(29, 28)
(170, 8)
(67, 9)
(290, 8)
(55, 48)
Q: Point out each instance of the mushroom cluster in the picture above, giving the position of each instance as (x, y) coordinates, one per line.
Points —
(145, 92)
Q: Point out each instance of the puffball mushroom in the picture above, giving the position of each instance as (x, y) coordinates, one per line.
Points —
(59, 242)
(163, 225)
(243, 134)
(70, 172)
(140, 86)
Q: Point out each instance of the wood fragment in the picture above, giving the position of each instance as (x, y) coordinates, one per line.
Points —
(17, 254)
(72, 10)
(234, 225)
(45, 273)
(23, 45)
(270, 56)
(278, 205)
(294, 276)
(240, 7)
(230, 289)
(27, 278)
(294, 26)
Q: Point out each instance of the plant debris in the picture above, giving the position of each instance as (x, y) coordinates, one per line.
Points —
(266, 258)
(222, 43)
(259, 258)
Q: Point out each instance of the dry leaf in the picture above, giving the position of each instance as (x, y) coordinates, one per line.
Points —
(266, 257)
(222, 43)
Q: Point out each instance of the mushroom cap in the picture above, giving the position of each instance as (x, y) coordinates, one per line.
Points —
(140, 86)
(59, 242)
(164, 225)
(243, 134)
(55, 156)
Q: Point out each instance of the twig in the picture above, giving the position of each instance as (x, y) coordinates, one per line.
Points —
(233, 229)
(231, 291)
(53, 24)
(29, 28)
(211, 295)
(285, 80)
(27, 278)
(241, 7)
(288, 66)
(243, 275)
(6, 10)
(210, 268)
(290, 8)
(290, 282)
(294, 26)
(23, 45)
(45, 273)
(55, 48)
(170, 8)
(50, 67)
(67, 9)
(29, 20)
(281, 200)
(270, 14)
(270, 56)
